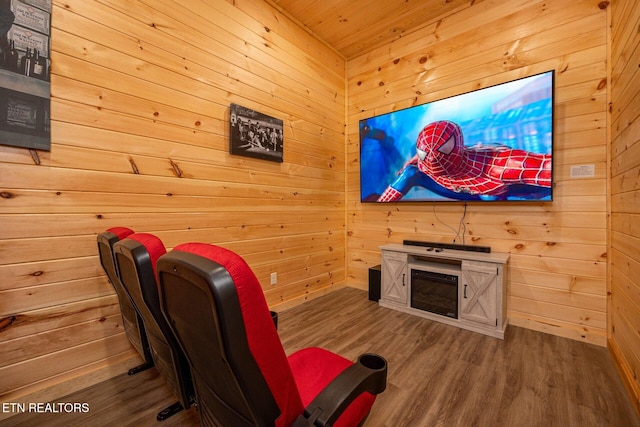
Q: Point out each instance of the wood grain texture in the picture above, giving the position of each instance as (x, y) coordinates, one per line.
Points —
(140, 98)
(624, 285)
(558, 269)
(437, 374)
(140, 127)
(356, 27)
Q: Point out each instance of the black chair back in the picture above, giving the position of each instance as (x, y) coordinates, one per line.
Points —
(136, 258)
(132, 322)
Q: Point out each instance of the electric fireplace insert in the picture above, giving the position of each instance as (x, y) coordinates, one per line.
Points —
(435, 290)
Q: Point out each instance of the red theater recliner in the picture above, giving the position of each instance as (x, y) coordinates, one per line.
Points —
(136, 258)
(131, 320)
(217, 310)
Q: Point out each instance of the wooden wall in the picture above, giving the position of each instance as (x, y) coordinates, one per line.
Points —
(141, 91)
(140, 112)
(557, 277)
(624, 305)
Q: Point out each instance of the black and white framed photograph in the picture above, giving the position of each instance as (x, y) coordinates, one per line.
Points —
(253, 134)
(25, 95)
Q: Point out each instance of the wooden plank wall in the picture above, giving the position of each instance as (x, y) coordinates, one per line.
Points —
(140, 106)
(624, 305)
(557, 277)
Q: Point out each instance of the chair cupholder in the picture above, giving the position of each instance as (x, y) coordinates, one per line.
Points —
(373, 362)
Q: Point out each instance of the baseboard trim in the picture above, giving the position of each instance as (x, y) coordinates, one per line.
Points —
(625, 373)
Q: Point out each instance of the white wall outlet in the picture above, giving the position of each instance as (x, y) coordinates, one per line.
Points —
(274, 278)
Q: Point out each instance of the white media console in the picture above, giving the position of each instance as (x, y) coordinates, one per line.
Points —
(461, 288)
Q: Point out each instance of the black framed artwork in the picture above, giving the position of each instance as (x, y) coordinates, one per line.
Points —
(254, 134)
(25, 73)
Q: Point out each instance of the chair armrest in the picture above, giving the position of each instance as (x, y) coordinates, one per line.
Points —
(368, 374)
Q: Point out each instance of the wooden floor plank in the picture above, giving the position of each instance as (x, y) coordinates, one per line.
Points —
(438, 375)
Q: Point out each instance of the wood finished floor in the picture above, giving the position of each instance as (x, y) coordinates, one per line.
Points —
(438, 375)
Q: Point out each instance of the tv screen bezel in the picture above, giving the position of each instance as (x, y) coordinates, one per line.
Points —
(547, 199)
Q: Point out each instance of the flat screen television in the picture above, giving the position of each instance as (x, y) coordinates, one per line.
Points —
(492, 144)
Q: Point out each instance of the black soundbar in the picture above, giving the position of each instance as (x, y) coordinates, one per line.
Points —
(469, 248)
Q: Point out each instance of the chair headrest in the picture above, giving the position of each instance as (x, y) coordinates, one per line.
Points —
(152, 244)
(121, 232)
(237, 267)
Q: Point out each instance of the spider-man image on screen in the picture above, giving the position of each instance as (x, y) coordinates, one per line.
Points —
(494, 144)
(443, 164)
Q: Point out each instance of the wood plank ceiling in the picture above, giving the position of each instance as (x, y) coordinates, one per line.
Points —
(355, 27)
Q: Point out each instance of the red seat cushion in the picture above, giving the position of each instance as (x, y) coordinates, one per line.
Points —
(313, 369)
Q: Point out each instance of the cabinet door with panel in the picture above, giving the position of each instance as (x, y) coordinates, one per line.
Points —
(479, 299)
(395, 286)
